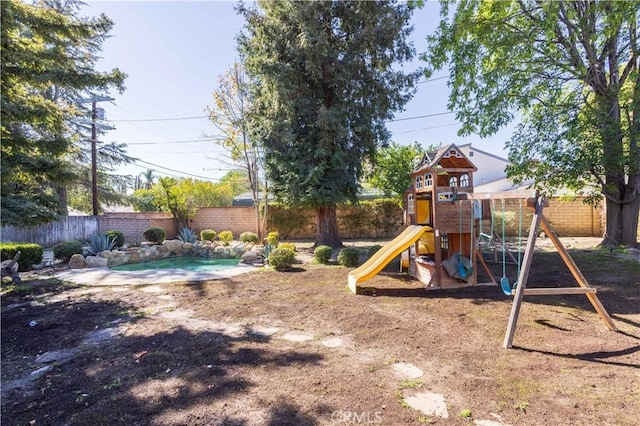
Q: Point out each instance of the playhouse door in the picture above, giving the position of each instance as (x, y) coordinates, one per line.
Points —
(423, 212)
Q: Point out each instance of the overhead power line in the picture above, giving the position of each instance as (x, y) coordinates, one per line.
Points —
(161, 119)
(176, 171)
(432, 79)
(426, 128)
(422, 116)
(170, 142)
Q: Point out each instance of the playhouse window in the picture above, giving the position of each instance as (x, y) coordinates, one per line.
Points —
(428, 180)
(453, 181)
(464, 180)
(419, 182)
(411, 206)
(444, 242)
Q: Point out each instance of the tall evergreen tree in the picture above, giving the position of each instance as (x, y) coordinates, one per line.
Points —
(48, 56)
(325, 85)
(572, 68)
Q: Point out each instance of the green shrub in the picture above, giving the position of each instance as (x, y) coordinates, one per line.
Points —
(249, 237)
(282, 258)
(155, 235)
(118, 235)
(289, 246)
(208, 235)
(187, 235)
(322, 254)
(374, 249)
(64, 250)
(226, 237)
(288, 220)
(99, 243)
(30, 254)
(272, 238)
(349, 257)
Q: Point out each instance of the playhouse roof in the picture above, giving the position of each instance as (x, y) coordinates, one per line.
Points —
(447, 158)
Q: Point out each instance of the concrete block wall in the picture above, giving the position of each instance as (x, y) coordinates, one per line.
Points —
(234, 219)
(133, 225)
(567, 217)
(574, 218)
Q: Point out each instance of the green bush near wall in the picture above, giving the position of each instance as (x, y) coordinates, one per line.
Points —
(287, 220)
(30, 254)
(64, 250)
(155, 235)
(377, 218)
(383, 215)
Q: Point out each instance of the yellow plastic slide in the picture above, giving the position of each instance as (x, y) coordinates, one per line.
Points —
(385, 255)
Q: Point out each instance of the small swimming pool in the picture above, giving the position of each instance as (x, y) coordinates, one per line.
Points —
(195, 264)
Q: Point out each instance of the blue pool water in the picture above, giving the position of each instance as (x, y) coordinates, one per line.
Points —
(196, 264)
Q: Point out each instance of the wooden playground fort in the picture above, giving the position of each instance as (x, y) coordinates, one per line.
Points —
(448, 226)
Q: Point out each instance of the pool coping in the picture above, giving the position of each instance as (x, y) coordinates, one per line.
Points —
(104, 276)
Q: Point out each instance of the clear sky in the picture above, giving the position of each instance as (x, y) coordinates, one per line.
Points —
(173, 53)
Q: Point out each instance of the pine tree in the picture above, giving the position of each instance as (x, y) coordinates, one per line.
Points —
(325, 85)
(48, 57)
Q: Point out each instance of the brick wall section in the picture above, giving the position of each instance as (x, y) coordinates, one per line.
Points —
(567, 217)
(133, 225)
(234, 219)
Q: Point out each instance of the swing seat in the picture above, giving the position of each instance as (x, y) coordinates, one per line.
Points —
(458, 266)
(506, 286)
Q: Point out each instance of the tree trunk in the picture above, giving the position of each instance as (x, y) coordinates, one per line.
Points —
(621, 224)
(327, 227)
(63, 200)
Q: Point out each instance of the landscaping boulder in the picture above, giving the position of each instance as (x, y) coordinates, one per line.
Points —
(77, 262)
(96, 262)
(250, 256)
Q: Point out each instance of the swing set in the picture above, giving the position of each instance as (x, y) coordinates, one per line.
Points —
(443, 242)
(519, 289)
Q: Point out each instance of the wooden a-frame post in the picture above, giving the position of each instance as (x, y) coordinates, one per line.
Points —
(521, 290)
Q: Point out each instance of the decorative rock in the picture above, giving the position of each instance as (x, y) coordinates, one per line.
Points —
(96, 262)
(77, 262)
(172, 245)
(107, 254)
(147, 252)
(250, 256)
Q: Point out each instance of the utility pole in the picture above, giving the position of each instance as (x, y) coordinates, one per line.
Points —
(94, 159)
(94, 146)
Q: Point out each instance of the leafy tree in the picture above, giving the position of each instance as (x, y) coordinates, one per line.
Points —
(391, 171)
(232, 103)
(572, 69)
(48, 56)
(237, 180)
(325, 87)
(182, 197)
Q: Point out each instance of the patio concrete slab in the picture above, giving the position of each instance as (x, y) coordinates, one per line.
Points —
(109, 277)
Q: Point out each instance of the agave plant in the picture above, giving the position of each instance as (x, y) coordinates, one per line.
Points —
(100, 242)
(187, 235)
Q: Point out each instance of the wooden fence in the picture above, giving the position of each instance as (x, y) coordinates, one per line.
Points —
(49, 234)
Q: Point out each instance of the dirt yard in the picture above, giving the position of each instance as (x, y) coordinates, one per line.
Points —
(296, 348)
